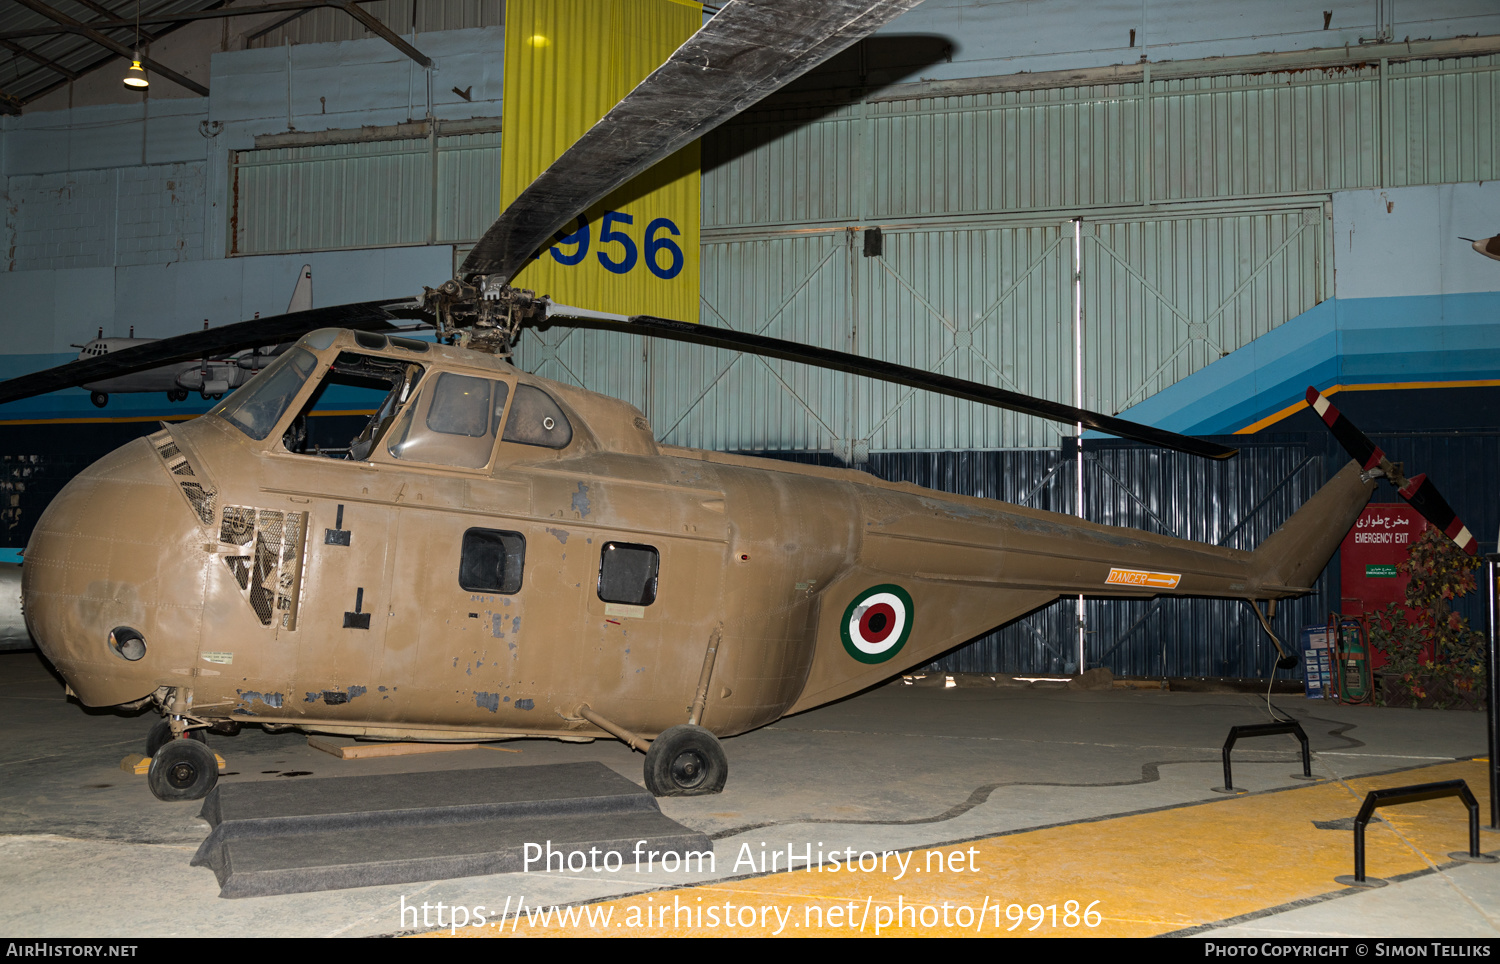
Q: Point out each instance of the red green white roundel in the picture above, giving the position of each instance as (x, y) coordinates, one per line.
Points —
(877, 623)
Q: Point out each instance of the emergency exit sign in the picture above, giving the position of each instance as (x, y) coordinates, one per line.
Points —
(1376, 544)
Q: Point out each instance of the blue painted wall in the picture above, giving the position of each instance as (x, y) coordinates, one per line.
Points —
(1414, 306)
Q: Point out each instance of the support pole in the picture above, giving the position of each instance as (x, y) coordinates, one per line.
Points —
(700, 697)
(1492, 690)
(618, 732)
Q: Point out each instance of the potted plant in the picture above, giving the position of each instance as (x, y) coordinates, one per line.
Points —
(1452, 676)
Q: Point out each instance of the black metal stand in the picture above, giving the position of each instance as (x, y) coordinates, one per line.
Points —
(1264, 729)
(1492, 692)
(1392, 796)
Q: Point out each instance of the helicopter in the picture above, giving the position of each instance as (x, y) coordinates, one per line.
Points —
(496, 555)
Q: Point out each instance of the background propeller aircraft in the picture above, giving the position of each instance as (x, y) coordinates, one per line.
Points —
(209, 377)
(496, 555)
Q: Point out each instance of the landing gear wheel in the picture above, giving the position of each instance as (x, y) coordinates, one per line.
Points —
(177, 395)
(686, 761)
(99, 399)
(161, 735)
(183, 770)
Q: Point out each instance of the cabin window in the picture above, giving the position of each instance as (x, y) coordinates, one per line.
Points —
(627, 573)
(535, 419)
(452, 423)
(491, 561)
(256, 408)
(410, 344)
(352, 408)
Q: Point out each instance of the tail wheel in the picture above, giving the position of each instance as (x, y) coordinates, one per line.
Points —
(183, 770)
(686, 761)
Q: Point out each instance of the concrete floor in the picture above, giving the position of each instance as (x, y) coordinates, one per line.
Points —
(86, 850)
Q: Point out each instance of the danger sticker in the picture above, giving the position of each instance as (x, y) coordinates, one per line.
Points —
(1141, 577)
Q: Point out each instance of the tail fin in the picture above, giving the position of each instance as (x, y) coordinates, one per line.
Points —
(302, 293)
(1289, 561)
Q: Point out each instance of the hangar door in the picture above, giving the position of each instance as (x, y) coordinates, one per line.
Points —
(1161, 298)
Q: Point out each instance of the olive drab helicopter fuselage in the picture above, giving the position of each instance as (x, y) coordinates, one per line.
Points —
(498, 555)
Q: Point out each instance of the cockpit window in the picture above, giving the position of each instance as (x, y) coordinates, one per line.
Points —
(320, 339)
(535, 419)
(452, 423)
(461, 406)
(256, 408)
(352, 408)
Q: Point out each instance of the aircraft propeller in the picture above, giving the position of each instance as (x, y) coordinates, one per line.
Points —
(1419, 493)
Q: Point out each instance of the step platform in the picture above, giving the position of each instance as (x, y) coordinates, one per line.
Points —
(329, 834)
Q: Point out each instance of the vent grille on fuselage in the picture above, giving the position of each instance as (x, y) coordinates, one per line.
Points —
(268, 567)
(200, 495)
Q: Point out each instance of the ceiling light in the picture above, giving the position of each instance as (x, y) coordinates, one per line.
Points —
(136, 75)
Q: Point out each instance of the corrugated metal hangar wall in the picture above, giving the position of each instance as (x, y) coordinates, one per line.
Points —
(1200, 201)
(1192, 199)
(1201, 206)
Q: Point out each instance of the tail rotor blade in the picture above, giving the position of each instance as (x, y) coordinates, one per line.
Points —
(1423, 496)
(1418, 492)
(1355, 442)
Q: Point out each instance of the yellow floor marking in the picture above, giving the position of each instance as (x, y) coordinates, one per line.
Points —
(1150, 873)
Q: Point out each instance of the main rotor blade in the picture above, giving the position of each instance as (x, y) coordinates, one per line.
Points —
(748, 50)
(884, 371)
(1419, 493)
(256, 333)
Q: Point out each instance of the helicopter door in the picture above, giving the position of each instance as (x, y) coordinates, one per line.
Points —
(351, 506)
(463, 560)
(652, 594)
(459, 634)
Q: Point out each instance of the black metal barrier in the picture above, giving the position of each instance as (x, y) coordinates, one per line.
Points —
(1263, 729)
(1492, 692)
(1391, 796)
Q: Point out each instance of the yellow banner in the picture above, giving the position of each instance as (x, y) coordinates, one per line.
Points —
(567, 62)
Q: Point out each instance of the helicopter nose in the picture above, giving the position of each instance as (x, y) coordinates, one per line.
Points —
(113, 578)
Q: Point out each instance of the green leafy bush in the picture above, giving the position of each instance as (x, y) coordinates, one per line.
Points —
(1439, 572)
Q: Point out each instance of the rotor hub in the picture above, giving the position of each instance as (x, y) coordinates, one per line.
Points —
(483, 314)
